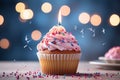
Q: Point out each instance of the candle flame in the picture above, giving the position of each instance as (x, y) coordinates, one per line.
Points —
(59, 18)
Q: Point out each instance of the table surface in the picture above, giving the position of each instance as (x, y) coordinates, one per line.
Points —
(31, 71)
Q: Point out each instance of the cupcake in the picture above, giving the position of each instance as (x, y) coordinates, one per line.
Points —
(58, 52)
(113, 53)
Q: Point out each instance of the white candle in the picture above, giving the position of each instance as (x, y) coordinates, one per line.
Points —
(59, 18)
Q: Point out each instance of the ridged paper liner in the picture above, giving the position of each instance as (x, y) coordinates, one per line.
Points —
(59, 63)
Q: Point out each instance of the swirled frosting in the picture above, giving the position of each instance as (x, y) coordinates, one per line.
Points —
(58, 39)
(113, 53)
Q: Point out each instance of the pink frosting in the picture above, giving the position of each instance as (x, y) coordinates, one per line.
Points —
(113, 53)
(58, 38)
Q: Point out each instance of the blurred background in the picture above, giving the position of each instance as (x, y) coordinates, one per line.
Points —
(23, 23)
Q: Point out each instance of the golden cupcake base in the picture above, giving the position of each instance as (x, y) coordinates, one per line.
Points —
(59, 64)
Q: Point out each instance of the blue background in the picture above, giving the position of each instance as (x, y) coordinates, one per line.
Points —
(92, 47)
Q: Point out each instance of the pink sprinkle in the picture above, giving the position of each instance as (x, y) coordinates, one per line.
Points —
(14, 74)
(72, 76)
(17, 77)
(22, 75)
(53, 33)
(85, 76)
(72, 38)
(40, 77)
(106, 74)
(111, 76)
(30, 72)
(11, 73)
(28, 78)
(3, 75)
(34, 76)
(3, 72)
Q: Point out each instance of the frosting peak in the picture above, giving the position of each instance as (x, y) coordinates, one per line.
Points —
(58, 38)
(113, 53)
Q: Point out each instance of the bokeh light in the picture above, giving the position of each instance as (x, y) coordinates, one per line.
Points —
(36, 35)
(4, 43)
(95, 20)
(114, 20)
(1, 20)
(84, 18)
(26, 14)
(65, 10)
(20, 7)
(22, 20)
(46, 7)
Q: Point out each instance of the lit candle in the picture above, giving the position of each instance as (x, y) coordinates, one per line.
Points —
(58, 27)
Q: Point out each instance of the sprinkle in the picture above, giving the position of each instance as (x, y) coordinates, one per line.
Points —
(44, 75)
(62, 41)
(3, 72)
(34, 76)
(56, 76)
(72, 44)
(53, 42)
(59, 33)
(55, 38)
(106, 74)
(15, 74)
(22, 75)
(28, 78)
(63, 34)
(17, 77)
(53, 33)
(3, 75)
(11, 73)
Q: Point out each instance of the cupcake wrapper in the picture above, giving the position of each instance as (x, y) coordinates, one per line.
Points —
(59, 63)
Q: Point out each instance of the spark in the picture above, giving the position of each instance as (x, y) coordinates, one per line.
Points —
(103, 30)
(25, 46)
(30, 22)
(82, 32)
(30, 48)
(75, 27)
(26, 39)
(93, 31)
(14, 60)
(93, 34)
(27, 43)
(103, 43)
(82, 36)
